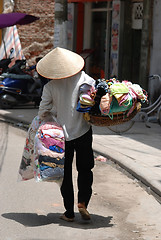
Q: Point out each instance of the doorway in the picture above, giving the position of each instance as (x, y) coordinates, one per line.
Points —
(97, 36)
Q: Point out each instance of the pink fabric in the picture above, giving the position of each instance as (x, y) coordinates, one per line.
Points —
(52, 133)
(48, 125)
(42, 150)
(123, 99)
(51, 141)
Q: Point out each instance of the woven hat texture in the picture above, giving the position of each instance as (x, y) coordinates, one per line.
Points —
(60, 63)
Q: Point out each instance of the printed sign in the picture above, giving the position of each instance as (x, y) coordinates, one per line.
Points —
(115, 38)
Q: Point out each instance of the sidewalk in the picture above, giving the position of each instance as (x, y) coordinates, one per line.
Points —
(138, 150)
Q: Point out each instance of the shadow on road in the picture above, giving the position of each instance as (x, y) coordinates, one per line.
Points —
(35, 220)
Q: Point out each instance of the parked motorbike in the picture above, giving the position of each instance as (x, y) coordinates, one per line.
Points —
(4, 63)
(17, 87)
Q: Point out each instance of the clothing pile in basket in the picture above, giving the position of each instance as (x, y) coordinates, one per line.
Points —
(110, 97)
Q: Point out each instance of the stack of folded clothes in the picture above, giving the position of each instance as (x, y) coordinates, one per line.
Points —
(49, 152)
(86, 98)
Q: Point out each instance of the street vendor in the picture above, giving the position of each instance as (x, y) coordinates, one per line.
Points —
(59, 99)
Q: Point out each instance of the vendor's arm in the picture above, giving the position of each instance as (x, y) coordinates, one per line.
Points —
(46, 103)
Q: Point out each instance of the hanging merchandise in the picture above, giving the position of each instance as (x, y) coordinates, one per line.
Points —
(11, 40)
(86, 98)
(115, 102)
(105, 104)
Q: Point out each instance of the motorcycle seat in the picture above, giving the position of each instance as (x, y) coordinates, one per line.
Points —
(17, 76)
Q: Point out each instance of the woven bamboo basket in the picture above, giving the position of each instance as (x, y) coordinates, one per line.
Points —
(118, 118)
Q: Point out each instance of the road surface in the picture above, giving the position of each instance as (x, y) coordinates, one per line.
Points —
(120, 209)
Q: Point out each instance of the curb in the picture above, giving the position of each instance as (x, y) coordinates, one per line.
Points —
(152, 187)
(22, 124)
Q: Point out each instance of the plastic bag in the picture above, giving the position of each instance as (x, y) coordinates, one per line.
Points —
(26, 169)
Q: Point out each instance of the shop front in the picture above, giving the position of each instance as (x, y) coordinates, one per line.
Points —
(96, 35)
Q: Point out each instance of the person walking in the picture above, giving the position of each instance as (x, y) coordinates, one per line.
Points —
(59, 99)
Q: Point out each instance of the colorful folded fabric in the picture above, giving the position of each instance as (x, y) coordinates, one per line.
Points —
(105, 104)
(118, 89)
(56, 149)
(53, 133)
(52, 141)
(45, 159)
(83, 108)
(115, 107)
(85, 88)
(85, 99)
(49, 153)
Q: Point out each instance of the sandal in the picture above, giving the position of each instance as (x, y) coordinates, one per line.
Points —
(63, 217)
(83, 211)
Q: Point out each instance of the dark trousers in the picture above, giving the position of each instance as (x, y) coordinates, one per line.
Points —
(84, 163)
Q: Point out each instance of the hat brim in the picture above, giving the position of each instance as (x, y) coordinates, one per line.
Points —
(60, 63)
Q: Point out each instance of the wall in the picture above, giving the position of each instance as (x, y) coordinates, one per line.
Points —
(155, 61)
(155, 64)
(125, 63)
(37, 37)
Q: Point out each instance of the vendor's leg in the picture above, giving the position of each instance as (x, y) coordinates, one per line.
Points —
(67, 185)
(85, 163)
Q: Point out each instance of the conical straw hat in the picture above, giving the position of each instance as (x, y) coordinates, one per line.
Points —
(60, 63)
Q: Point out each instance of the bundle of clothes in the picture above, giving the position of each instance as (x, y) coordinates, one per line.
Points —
(43, 154)
(109, 97)
(49, 152)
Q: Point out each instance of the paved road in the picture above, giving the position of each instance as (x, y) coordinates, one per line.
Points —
(138, 150)
(120, 208)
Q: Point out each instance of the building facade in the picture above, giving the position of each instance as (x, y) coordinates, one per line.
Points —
(117, 37)
(121, 38)
(111, 31)
(37, 37)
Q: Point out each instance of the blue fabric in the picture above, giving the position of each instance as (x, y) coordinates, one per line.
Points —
(82, 109)
(56, 149)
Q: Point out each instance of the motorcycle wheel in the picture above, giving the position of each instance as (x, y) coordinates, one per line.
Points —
(159, 115)
(4, 104)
